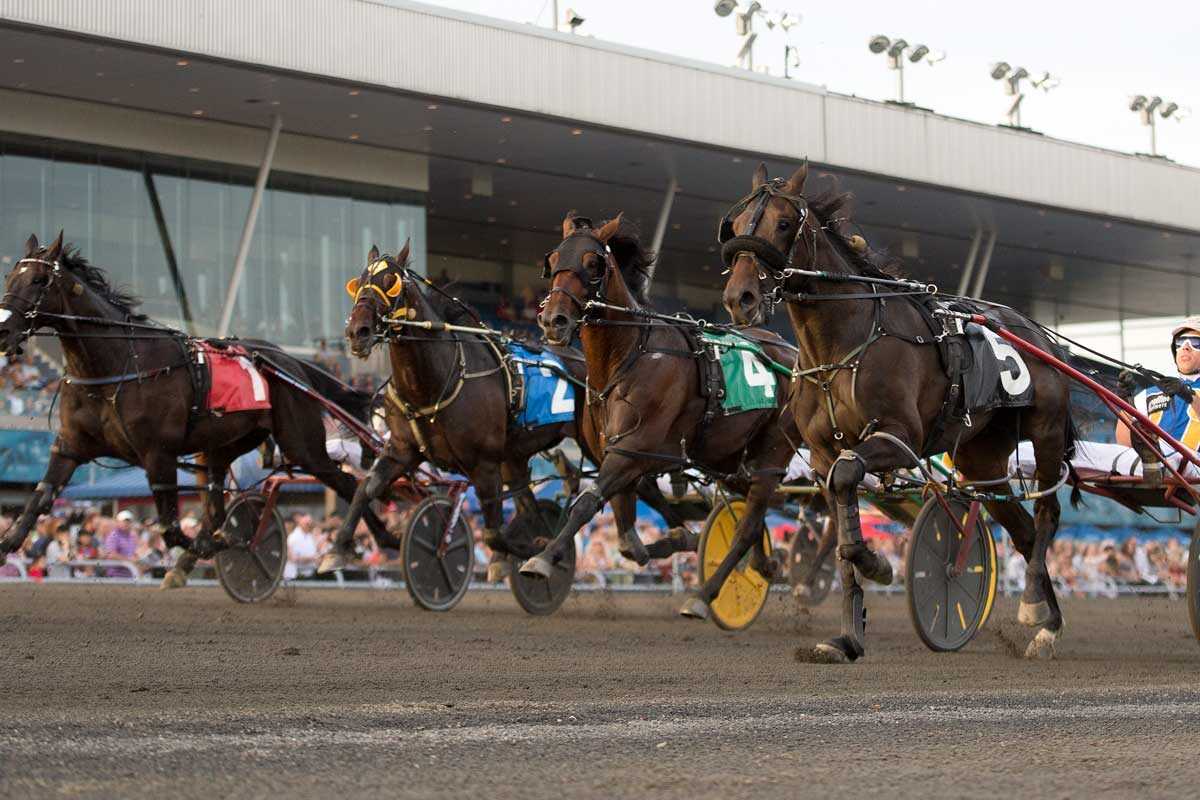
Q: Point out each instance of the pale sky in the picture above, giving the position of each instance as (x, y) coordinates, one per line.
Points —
(1102, 51)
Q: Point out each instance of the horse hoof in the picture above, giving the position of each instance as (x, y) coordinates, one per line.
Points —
(829, 653)
(498, 570)
(802, 592)
(769, 570)
(694, 608)
(1034, 614)
(538, 567)
(332, 562)
(1042, 648)
(633, 549)
(174, 579)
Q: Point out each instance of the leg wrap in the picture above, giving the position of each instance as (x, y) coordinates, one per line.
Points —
(632, 548)
(494, 541)
(854, 615)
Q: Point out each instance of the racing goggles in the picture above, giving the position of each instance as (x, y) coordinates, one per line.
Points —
(1190, 341)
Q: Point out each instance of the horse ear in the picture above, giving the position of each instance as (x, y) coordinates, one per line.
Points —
(795, 184)
(568, 225)
(402, 259)
(352, 287)
(373, 256)
(610, 228)
(31, 245)
(760, 176)
(396, 286)
(56, 248)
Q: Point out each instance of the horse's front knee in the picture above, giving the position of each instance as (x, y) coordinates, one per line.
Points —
(845, 475)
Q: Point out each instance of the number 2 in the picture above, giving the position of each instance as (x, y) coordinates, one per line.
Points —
(560, 403)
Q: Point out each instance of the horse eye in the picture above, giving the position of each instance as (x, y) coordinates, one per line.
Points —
(784, 224)
(40, 280)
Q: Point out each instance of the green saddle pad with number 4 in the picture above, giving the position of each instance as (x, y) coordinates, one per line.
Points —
(750, 382)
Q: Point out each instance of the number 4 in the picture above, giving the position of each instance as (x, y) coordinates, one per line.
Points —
(756, 374)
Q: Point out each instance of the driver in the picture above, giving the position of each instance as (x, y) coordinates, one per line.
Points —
(1173, 404)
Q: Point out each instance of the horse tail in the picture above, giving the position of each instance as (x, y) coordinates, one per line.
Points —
(1069, 453)
(357, 403)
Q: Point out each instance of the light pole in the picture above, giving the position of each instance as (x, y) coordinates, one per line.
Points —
(1145, 107)
(1002, 71)
(894, 48)
(744, 23)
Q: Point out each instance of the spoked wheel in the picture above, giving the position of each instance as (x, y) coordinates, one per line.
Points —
(539, 596)
(744, 593)
(251, 567)
(801, 552)
(1193, 582)
(948, 608)
(437, 576)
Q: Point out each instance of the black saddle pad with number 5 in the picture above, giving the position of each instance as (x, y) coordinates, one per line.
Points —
(997, 376)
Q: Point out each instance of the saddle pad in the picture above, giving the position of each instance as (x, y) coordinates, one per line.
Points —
(750, 385)
(997, 376)
(234, 383)
(549, 398)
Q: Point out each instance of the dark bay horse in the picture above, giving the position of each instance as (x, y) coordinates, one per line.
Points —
(450, 400)
(647, 408)
(129, 393)
(874, 387)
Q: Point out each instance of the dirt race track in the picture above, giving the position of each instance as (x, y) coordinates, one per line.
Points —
(123, 691)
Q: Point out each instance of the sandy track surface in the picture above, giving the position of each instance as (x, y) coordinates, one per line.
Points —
(123, 691)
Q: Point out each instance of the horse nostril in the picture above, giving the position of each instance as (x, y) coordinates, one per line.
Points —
(747, 300)
(560, 321)
(364, 332)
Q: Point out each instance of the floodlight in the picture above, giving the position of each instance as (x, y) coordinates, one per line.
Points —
(787, 21)
(999, 70)
(879, 43)
(1137, 103)
(898, 47)
(573, 19)
(1168, 110)
(1154, 103)
(724, 8)
(919, 52)
(1020, 74)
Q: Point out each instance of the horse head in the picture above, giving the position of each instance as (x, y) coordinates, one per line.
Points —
(760, 237)
(579, 270)
(380, 295)
(38, 285)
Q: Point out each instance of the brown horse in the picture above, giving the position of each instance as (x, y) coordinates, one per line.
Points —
(874, 387)
(650, 403)
(130, 393)
(450, 400)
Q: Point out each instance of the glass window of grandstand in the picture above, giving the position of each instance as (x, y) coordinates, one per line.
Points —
(312, 234)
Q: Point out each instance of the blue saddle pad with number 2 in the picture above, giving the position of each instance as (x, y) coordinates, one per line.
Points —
(549, 397)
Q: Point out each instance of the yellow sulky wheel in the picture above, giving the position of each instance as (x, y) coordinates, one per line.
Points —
(745, 591)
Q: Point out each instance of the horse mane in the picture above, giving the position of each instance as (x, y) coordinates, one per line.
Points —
(97, 280)
(636, 263)
(456, 313)
(832, 209)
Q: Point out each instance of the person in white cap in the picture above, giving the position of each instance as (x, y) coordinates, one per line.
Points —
(1173, 404)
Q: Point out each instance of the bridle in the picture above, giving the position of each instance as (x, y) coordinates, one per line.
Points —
(761, 249)
(573, 251)
(394, 299)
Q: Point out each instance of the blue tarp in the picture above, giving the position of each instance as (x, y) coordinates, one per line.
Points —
(128, 482)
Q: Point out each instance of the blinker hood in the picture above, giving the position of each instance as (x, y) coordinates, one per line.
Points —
(764, 250)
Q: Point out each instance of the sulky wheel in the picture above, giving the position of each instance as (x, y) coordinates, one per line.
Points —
(1193, 582)
(437, 557)
(801, 552)
(536, 595)
(251, 567)
(947, 608)
(744, 593)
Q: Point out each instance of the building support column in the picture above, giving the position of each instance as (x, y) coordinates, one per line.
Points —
(239, 266)
(664, 216)
(984, 264)
(164, 238)
(969, 265)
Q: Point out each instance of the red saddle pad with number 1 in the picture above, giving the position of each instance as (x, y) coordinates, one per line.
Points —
(234, 383)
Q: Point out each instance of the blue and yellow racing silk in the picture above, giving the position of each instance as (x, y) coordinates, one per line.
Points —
(1172, 414)
(549, 396)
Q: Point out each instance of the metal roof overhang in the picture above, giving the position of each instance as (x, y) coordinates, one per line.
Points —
(1097, 263)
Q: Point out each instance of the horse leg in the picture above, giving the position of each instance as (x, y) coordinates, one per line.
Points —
(825, 546)
(748, 536)
(380, 477)
(489, 484)
(616, 473)
(678, 538)
(215, 465)
(855, 559)
(58, 472)
(160, 472)
(1023, 531)
(1039, 604)
(629, 544)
